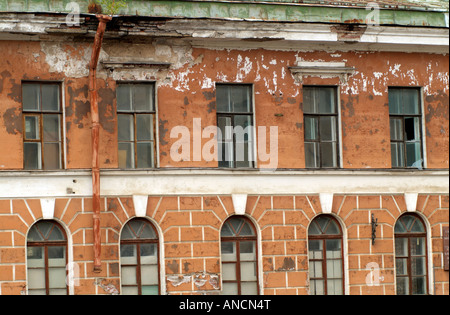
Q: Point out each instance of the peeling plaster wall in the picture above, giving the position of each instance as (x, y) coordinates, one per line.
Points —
(186, 91)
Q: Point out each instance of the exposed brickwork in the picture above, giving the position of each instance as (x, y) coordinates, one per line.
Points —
(189, 228)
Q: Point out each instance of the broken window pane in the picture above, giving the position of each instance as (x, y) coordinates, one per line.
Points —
(412, 130)
(31, 97)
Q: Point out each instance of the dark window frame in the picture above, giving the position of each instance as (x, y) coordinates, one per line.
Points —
(45, 245)
(317, 116)
(232, 116)
(323, 238)
(409, 236)
(138, 265)
(403, 118)
(237, 240)
(40, 113)
(134, 114)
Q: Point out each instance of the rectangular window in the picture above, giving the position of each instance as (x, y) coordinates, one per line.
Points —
(42, 120)
(405, 127)
(136, 116)
(235, 122)
(320, 121)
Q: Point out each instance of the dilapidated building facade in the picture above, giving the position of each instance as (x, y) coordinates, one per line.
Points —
(224, 147)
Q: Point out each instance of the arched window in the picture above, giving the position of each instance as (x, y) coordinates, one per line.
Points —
(239, 257)
(139, 258)
(47, 259)
(411, 255)
(325, 256)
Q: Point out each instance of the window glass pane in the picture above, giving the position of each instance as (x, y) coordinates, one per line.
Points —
(52, 156)
(50, 97)
(228, 250)
(241, 99)
(31, 97)
(145, 155)
(223, 98)
(417, 246)
(248, 271)
(32, 156)
(150, 290)
(401, 266)
(326, 100)
(418, 227)
(401, 246)
(34, 235)
(315, 249)
(247, 230)
(128, 276)
(51, 127)
(311, 128)
(334, 268)
(126, 155)
(56, 256)
(230, 289)
(395, 101)
(229, 271)
(334, 287)
(143, 97)
(402, 286)
(130, 290)
(315, 269)
(328, 154)
(32, 128)
(127, 233)
(128, 254)
(57, 277)
(418, 266)
(56, 234)
(413, 155)
(147, 232)
(333, 248)
(35, 256)
(397, 155)
(410, 101)
(36, 279)
(149, 274)
(312, 154)
(249, 288)
(328, 128)
(123, 92)
(126, 127)
(57, 292)
(247, 250)
(226, 154)
(309, 105)
(419, 285)
(396, 127)
(144, 127)
(317, 287)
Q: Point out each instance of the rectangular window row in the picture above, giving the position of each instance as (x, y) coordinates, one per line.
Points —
(136, 119)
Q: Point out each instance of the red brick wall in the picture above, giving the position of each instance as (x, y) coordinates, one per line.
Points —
(190, 229)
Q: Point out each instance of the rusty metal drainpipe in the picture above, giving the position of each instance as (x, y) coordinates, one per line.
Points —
(103, 20)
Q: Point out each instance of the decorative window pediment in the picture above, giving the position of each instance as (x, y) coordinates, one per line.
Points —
(321, 69)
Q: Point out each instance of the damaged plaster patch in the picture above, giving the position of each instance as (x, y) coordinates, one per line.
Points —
(73, 61)
(12, 122)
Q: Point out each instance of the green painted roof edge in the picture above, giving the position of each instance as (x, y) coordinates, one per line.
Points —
(260, 11)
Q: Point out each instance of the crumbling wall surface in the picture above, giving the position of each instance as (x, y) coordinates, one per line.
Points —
(186, 91)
